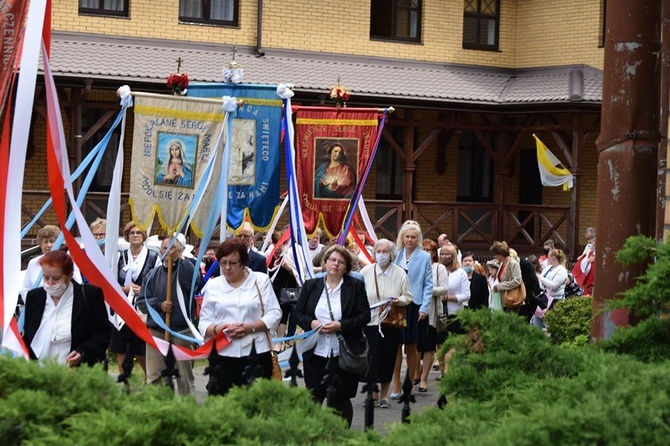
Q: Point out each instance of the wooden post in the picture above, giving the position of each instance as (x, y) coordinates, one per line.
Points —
(168, 297)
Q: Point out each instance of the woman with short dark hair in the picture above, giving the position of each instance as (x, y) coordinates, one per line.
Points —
(509, 274)
(242, 304)
(339, 305)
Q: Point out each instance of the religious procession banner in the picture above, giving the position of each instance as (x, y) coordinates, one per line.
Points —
(13, 13)
(254, 173)
(173, 141)
(333, 147)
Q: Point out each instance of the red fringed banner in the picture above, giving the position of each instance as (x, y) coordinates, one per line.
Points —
(333, 147)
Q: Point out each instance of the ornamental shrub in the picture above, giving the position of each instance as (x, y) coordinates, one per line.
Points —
(613, 400)
(502, 351)
(51, 404)
(569, 319)
(649, 341)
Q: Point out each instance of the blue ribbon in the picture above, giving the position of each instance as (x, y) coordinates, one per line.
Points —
(101, 146)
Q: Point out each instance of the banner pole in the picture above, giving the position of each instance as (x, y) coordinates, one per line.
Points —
(168, 296)
(141, 94)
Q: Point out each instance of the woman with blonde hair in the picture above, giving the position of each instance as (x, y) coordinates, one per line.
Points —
(417, 264)
(553, 280)
(458, 294)
(440, 288)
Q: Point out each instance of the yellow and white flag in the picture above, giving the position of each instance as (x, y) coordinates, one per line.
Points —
(552, 172)
(173, 142)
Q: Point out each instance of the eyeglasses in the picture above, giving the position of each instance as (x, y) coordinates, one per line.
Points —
(231, 263)
(336, 261)
(243, 236)
(99, 235)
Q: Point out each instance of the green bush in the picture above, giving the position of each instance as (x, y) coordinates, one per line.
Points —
(613, 401)
(651, 294)
(515, 387)
(51, 404)
(649, 341)
(502, 351)
(569, 319)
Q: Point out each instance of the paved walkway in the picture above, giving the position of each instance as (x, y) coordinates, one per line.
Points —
(383, 417)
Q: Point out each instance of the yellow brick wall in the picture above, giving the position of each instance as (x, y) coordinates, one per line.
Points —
(564, 32)
(532, 32)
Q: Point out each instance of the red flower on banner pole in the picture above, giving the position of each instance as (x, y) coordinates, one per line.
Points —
(340, 94)
(178, 83)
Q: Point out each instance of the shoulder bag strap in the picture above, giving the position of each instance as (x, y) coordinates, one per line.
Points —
(330, 308)
(258, 291)
(376, 285)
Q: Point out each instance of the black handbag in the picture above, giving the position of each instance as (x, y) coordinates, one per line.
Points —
(542, 300)
(573, 289)
(349, 360)
(288, 296)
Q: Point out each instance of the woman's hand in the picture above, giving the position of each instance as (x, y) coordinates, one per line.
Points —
(422, 316)
(135, 289)
(74, 358)
(235, 331)
(331, 327)
(395, 301)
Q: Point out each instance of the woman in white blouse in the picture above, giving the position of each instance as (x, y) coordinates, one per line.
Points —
(241, 305)
(553, 280)
(554, 275)
(384, 280)
(457, 295)
(431, 339)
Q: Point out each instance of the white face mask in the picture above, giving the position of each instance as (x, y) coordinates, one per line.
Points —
(382, 259)
(56, 290)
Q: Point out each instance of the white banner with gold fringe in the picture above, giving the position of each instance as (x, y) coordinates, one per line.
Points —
(174, 140)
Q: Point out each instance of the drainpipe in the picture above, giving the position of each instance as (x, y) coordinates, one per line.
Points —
(259, 30)
(628, 149)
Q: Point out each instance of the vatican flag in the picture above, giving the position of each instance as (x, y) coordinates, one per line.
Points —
(552, 172)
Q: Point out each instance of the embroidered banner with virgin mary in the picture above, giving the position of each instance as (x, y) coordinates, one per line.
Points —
(173, 141)
(333, 148)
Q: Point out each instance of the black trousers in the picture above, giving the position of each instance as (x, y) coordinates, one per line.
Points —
(226, 372)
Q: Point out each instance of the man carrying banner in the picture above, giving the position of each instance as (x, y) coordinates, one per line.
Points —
(154, 294)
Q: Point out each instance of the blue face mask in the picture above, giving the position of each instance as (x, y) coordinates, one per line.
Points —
(468, 269)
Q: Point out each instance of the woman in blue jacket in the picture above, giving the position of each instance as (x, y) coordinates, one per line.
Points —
(417, 263)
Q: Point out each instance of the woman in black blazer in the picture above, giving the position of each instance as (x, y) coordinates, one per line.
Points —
(350, 313)
(65, 321)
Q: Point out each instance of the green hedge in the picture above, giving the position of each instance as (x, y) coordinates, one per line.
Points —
(55, 405)
(570, 319)
(507, 384)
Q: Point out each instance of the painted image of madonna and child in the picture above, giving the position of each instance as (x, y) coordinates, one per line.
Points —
(335, 178)
(174, 161)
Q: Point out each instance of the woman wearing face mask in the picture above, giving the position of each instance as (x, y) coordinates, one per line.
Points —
(65, 321)
(383, 279)
(479, 289)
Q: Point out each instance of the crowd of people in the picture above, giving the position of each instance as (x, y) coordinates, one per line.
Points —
(397, 300)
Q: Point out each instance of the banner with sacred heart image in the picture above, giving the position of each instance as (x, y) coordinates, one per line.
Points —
(333, 147)
(173, 141)
(254, 173)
